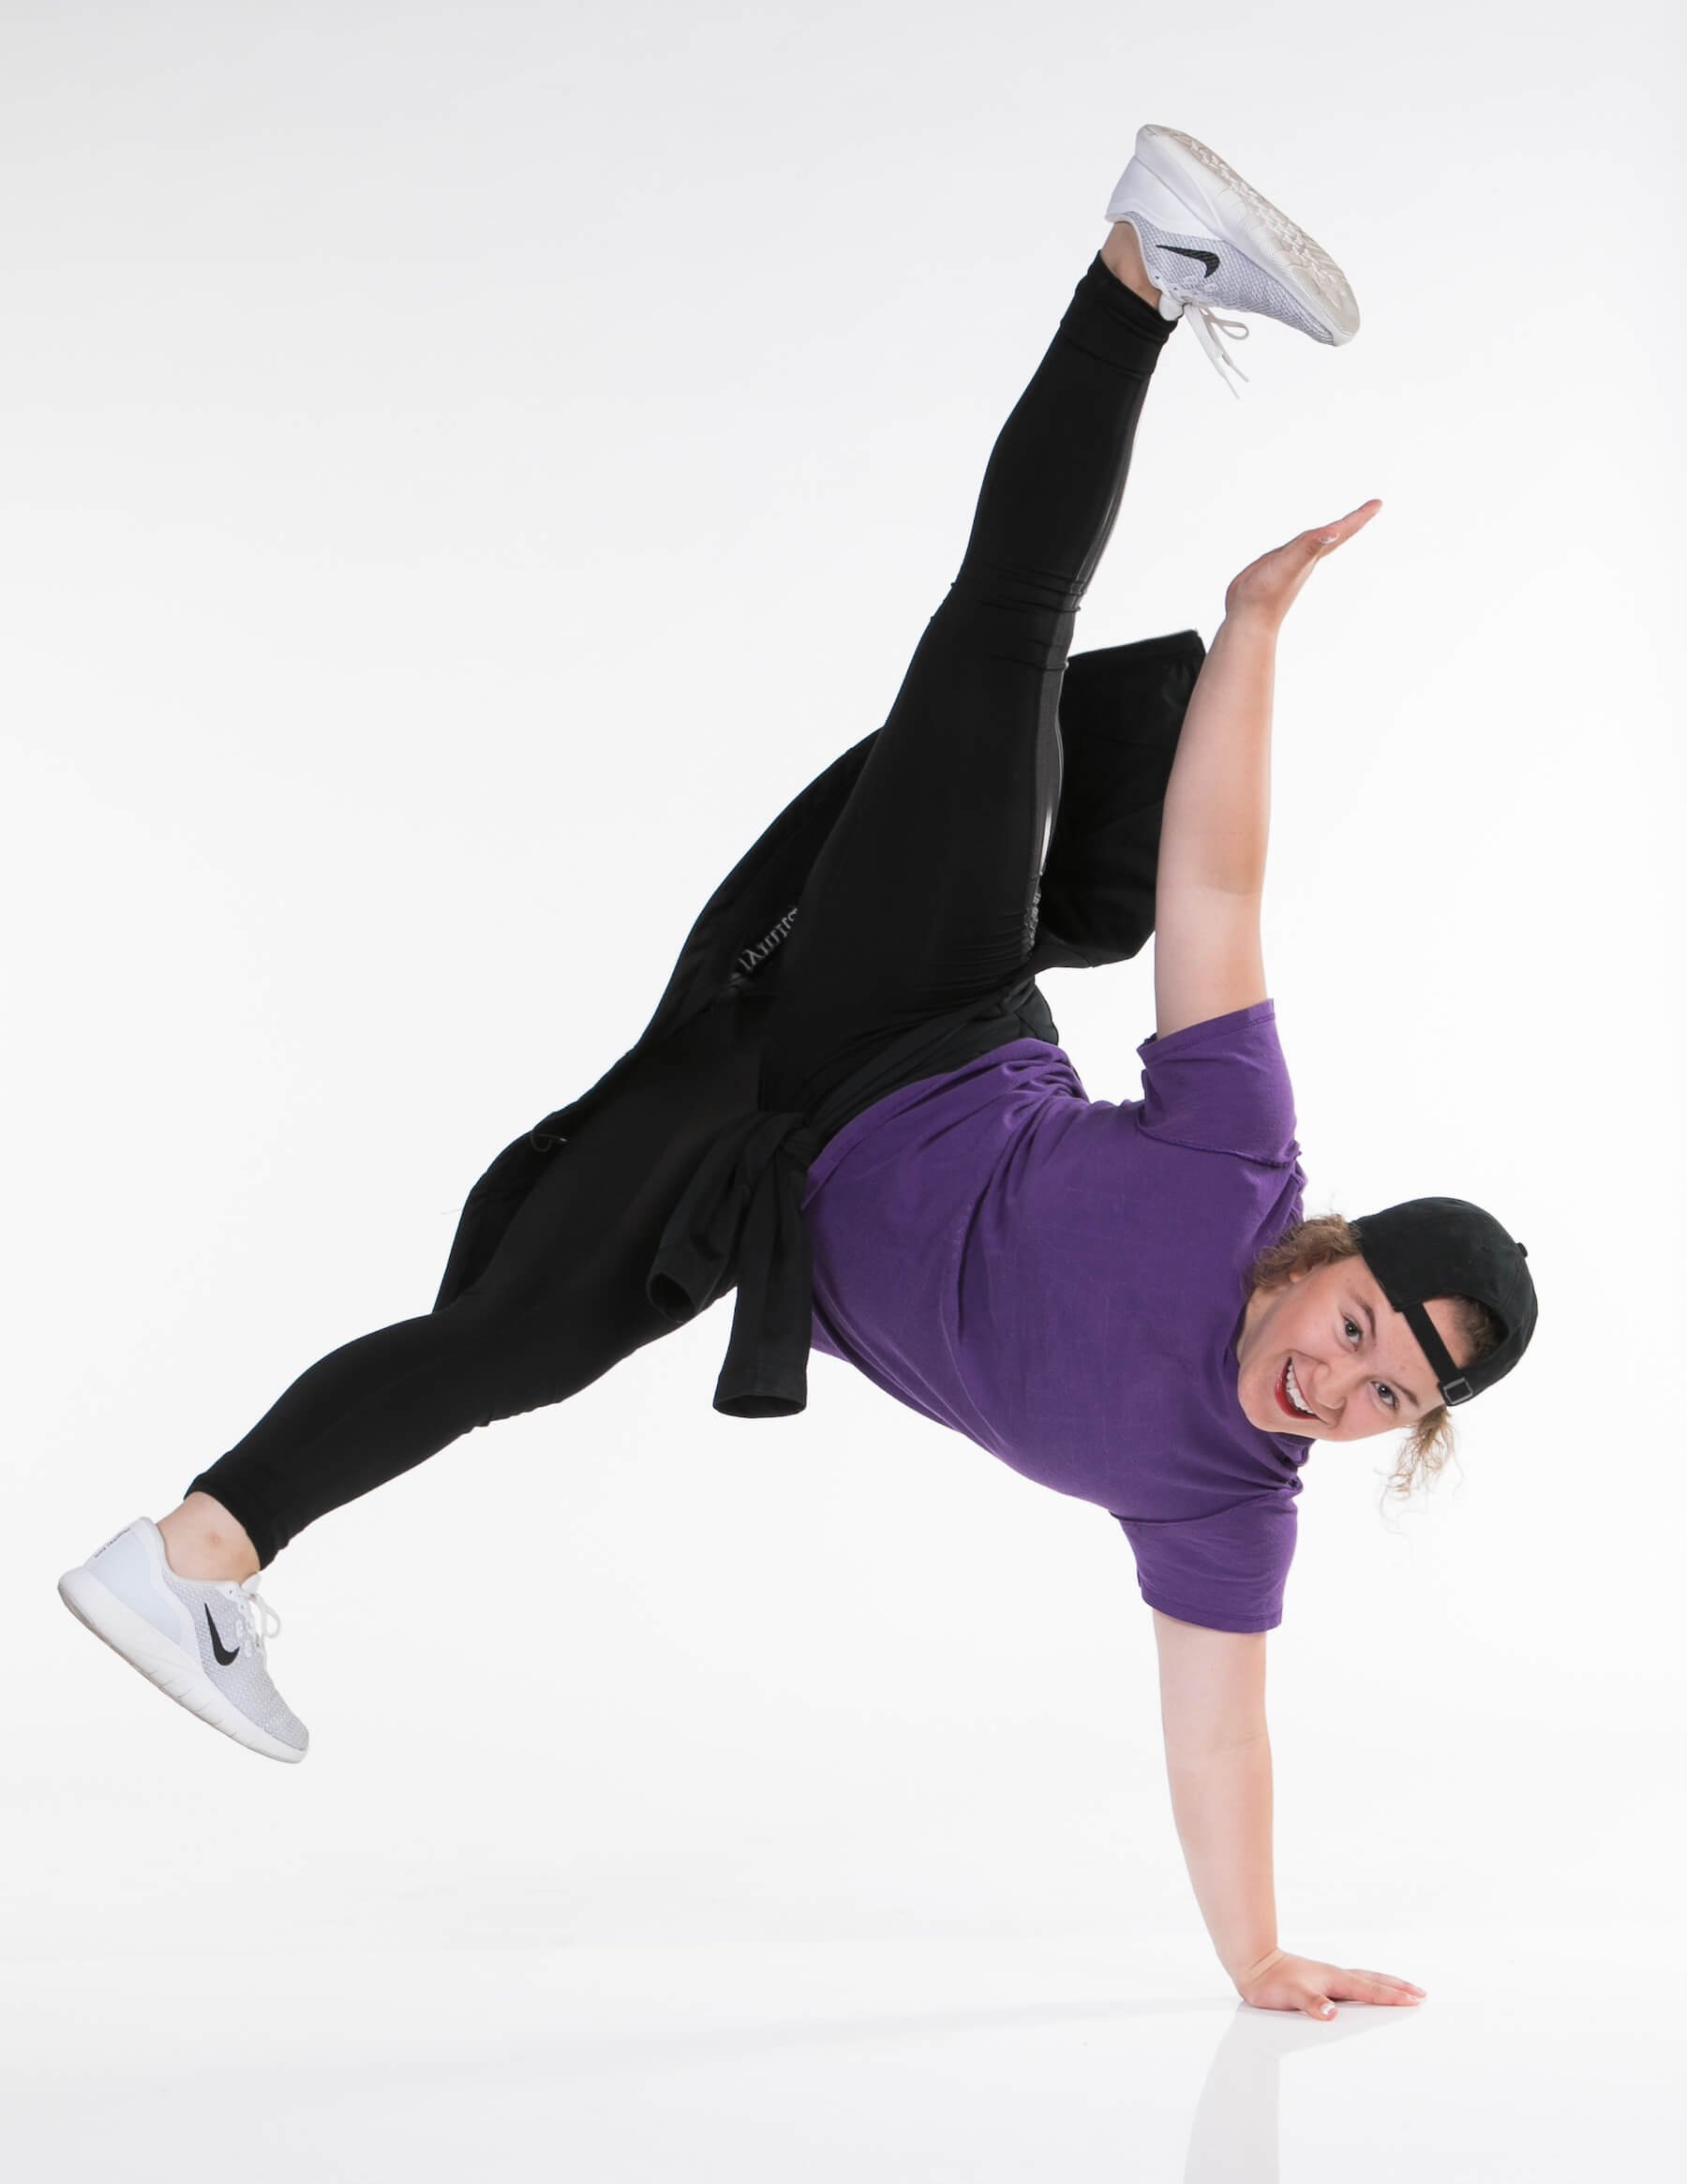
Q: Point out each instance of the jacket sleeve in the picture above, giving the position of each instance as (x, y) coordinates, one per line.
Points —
(1121, 712)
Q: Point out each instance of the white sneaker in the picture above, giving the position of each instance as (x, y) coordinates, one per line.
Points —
(1208, 237)
(199, 1640)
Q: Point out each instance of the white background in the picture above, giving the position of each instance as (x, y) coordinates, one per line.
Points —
(464, 470)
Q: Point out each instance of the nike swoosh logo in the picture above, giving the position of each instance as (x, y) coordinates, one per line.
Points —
(217, 1644)
(1208, 258)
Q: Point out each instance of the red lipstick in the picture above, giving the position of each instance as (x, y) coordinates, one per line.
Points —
(1300, 1417)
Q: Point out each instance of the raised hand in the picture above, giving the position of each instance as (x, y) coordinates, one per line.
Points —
(1270, 586)
(1281, 1982)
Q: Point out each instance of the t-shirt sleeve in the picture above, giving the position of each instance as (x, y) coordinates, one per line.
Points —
(1225, 1571)
(1222, 1087)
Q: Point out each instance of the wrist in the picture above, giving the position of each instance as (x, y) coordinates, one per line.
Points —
(1252, 622)
(1241, 1975)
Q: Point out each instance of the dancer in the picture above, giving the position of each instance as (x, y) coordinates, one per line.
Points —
(852, 1107)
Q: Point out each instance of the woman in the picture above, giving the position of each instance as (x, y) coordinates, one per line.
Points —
(861, 1119)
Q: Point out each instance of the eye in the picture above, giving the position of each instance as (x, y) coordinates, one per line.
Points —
(1393, 1400)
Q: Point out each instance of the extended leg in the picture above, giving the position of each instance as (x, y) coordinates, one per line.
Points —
(925, 896)
(561, 1301)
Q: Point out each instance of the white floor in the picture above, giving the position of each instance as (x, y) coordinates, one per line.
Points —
(1540, 2055)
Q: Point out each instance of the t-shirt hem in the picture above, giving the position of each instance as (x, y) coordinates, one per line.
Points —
(1208, 1026)
(1162, 1137)
(842, 1143)
(1206, 1619)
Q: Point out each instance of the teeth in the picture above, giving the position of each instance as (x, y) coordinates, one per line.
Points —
(1294, 1394)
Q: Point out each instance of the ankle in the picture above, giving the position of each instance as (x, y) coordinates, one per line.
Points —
(205, 1543)
(1122, 255)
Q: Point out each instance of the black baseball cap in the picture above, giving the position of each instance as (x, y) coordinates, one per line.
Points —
(1446, 1247)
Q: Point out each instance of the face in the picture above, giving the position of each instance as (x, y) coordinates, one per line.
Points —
(1356, 1362)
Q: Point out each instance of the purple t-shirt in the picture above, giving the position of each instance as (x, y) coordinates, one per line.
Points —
(1062, 1281)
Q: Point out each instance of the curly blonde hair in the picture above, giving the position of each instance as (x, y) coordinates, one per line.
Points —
(1320, 1242)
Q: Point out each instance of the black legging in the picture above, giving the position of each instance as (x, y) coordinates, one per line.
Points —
(925, 897)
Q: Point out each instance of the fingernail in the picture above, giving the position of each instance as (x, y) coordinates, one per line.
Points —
(1328, 2009)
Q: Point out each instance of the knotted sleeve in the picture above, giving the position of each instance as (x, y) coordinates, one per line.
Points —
(740, 1221)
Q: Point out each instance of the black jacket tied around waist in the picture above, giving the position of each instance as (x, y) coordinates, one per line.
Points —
(738, 1220)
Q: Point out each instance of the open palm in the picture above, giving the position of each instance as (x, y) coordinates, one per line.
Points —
(1271, 585)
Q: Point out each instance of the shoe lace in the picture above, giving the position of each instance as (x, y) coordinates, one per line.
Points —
(1208, 326)
(253, 1633)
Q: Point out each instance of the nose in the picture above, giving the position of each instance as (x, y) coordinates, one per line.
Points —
(1338, 1380)
(1327, 1383)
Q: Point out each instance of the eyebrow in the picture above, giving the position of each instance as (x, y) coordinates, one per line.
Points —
(1415, 1402)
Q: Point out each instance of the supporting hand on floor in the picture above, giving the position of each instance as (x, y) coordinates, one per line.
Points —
(1281, 1982)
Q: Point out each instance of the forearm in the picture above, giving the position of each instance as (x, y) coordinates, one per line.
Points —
(1221, 1801)
(1217, 820)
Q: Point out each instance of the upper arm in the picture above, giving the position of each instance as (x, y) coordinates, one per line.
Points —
(1208, 957)
(1212, 1686)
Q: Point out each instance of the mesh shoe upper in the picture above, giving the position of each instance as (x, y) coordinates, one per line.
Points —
(1211, 241)
(209, 1618)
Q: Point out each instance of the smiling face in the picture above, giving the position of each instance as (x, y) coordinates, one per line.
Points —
(1356, 1362)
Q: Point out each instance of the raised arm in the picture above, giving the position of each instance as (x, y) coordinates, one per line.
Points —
(1216, 823)
(1218, 1764)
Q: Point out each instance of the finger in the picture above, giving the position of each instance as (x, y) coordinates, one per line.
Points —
(1344, 527)
(1386, 1979)
(1378, 1988)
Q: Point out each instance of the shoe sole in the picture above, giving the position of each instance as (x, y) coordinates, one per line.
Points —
(1210, 186)
(135, 1641)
